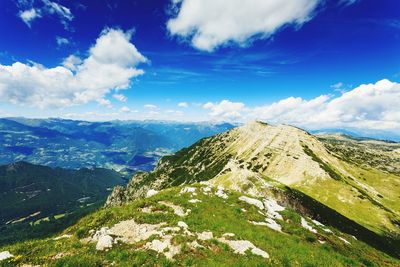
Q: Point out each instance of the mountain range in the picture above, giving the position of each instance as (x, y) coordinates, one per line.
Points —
(125, 146)
(255, 195)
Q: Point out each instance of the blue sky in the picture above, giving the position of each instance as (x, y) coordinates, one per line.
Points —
(251, 60)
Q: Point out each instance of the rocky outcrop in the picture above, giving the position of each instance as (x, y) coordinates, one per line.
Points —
(5, 255)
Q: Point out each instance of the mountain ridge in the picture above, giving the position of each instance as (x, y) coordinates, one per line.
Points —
(257, 156)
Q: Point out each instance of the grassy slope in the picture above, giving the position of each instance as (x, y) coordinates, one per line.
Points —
(295, 247)
(356, 204)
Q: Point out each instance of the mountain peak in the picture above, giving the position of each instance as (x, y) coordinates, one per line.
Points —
(257, 156)
(263, 126)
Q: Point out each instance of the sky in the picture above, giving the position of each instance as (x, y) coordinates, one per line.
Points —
(312, 63)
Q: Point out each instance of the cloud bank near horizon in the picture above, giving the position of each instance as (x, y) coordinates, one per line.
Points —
(372, 106)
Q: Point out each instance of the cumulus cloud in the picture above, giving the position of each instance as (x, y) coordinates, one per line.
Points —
(369, 106)
(110, 65)
(28, 16)
(372, 106)
(226, 110)
(212, 23)
(72, 62)
(292, 110)
(183, 105)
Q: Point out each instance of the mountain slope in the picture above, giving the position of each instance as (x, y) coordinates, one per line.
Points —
(29, 192)
(229, 200)
(258, 158)
(200, 225)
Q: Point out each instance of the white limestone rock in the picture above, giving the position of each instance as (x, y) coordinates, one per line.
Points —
(151, 193)
(252, 201)
(5, 255)
(104, 242)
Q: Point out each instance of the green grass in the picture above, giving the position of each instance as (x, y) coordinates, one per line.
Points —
(295, 247)
(332, 173)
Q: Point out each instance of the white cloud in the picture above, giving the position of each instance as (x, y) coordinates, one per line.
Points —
(124, 109)
(183, 105)
(61, 41)
(337, 86)
(173, 112)
(347, 2)
(369, 106)
(29, 15)
(31, 10)
(61, 11)
(104, 102)
(120, 97)
(226, 110)
(150, 106)
(212, 23)
(110, 65)
(72, 62)
(292, 110)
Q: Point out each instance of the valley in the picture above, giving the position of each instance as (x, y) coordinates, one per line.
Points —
(124, 146)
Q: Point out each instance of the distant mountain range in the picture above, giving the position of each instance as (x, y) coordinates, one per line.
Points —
(125, 146)
(359, 133)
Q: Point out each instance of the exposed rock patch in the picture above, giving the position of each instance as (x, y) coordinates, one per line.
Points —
(241, 246)
(151, 193)
(220, 193)
(272, 208)
(5, 255)
(191, 190)
(131, 232)
(269, 208)
(183, 225)
(305, 225)
(205, 235)
(104, 242)
(164, 246)
(252, 201)
(194, 201)
(178, 210)
(206, 190)
(344, 240)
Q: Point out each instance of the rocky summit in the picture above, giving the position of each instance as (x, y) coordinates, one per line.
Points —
(257, 158)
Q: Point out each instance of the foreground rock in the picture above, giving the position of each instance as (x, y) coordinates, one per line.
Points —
(5, 255)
